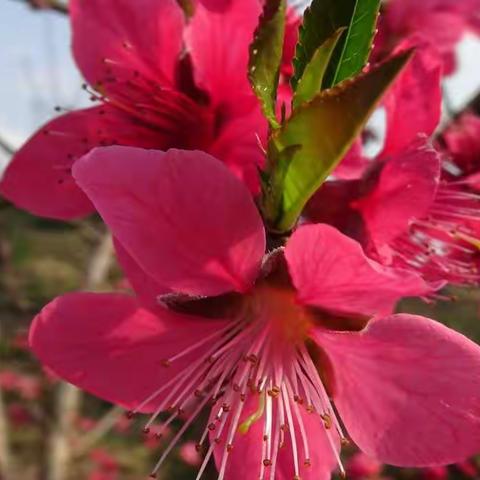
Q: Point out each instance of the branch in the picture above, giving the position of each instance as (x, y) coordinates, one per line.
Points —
(6, 147)
(101, 428)
(6, 467)
(54, 5)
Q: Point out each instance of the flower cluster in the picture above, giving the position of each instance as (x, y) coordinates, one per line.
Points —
(287, 335)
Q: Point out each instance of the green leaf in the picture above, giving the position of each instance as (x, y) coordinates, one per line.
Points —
(351, 57)
(320, 21)
(325, 128)
(311, 82)
(266, 57)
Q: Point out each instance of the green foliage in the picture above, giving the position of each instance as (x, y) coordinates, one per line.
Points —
(266, 57)
(311, 81)
(320, 21)
(322, 131)
(349, 58)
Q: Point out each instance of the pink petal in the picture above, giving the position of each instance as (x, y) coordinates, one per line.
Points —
(331, 271)
(331, 204)
(462, 142)
(39, 177)
(180, 215)
(405, 190)
(108, 345)
(218, 42)
(121, 37)
(246, 455)
(239, 145)
(146, 288)
(413, 103)
(292, 24)
(354, 163)
(216, 5)
(408, 390)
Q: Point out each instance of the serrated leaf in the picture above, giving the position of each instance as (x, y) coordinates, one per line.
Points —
(320, 21)
(325, 128)
(311, 82)
(352, 53)
(266, 57)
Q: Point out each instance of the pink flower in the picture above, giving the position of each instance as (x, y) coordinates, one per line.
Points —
(441, 22)
(189, 454)
(405, 209)
(468, 469)
(161, 81)
(106, 466)
(27, 386)
(19, 415)
(267, 342)
(361, 466)
(461, 142)
(434, 473)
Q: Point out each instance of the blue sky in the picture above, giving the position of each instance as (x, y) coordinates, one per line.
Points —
(37, 71)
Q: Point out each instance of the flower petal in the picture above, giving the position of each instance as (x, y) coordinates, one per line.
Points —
(146, 288)
(181, 215)
(408, 390)
(330, 271)
(108, 345)
(413, 104)
(121, 37)
(39, 180)
(353, 164)
(462, 142)
(405, 190)
(247, 452)
(218, 42)
(238, 145)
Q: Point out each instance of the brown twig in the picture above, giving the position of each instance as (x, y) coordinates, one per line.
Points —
(6, 147)
(54, 5)
(6, 466)
(101, 428)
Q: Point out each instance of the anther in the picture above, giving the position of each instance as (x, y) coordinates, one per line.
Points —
(307, 462)
(146, 430)
(129, 414)
(229, 447)
(165, 363)
(267, 462)
(327, 420)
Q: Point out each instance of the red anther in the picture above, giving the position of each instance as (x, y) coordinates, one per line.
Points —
(267, 462)
(146, 430)
(129, 414)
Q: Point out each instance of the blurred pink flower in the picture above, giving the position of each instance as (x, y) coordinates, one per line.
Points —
(86, 424)
(461, 143)
(468, 469)
(189, 454)
(361, 466)
(18, 415)
(27, 386)
(441, 22)
(267, 342)
(434, 473)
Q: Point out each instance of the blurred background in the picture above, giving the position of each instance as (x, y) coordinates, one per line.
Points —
(49, 430)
